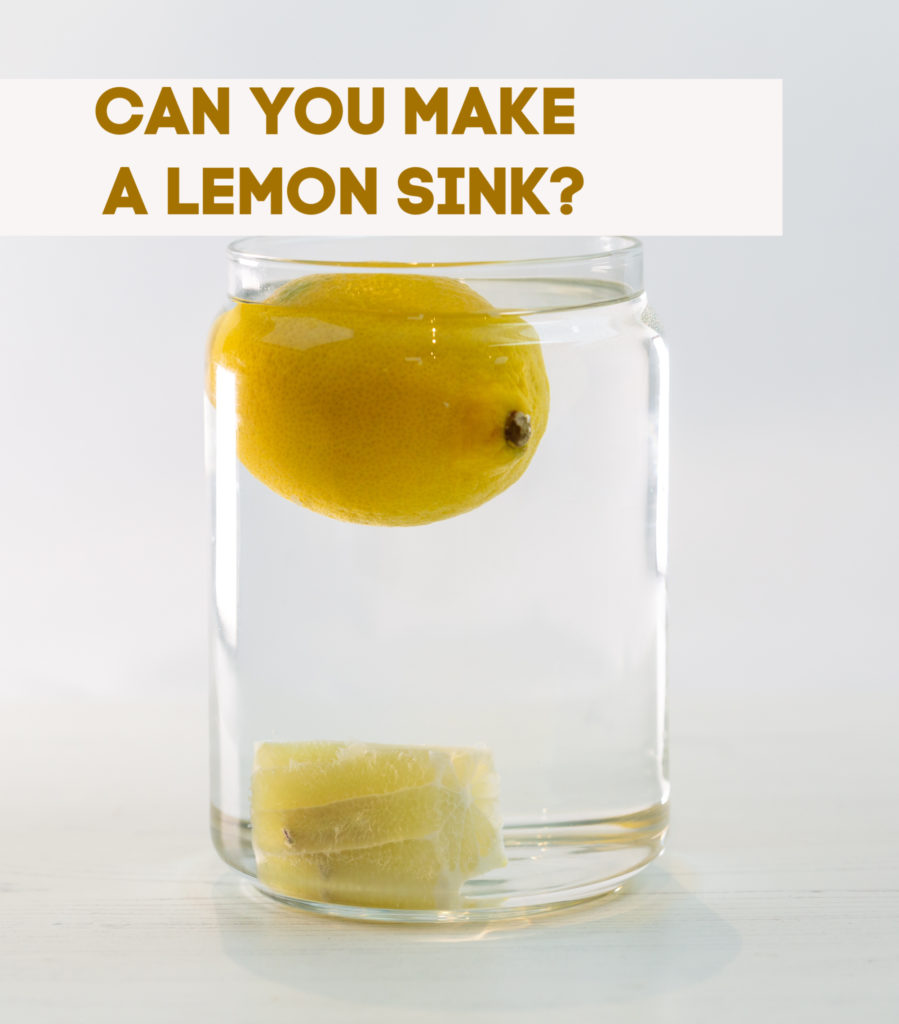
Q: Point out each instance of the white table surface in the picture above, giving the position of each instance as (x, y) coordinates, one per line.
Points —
(776, 900)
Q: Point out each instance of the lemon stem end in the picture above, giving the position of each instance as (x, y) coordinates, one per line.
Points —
(518, 429)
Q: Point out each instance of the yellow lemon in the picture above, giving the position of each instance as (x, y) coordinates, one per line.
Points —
(388, 399)
(374, 825)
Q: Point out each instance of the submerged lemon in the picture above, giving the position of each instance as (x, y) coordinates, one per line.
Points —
(389, 399)
(374, 825)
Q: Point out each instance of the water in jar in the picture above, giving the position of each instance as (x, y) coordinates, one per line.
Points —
(533, 625)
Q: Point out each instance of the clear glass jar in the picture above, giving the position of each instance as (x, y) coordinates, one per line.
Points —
(439, 502)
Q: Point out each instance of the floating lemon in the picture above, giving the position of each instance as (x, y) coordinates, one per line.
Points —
(389, 399)
(374, 825)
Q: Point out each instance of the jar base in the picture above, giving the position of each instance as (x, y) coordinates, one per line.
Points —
(550, 867)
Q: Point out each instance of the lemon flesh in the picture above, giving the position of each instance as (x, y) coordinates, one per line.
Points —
(374, 825)
(379, 398)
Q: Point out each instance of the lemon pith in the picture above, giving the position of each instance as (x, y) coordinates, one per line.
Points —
(374, 825)
(387, 399)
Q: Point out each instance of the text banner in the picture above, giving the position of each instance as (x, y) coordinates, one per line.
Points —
(391, 157)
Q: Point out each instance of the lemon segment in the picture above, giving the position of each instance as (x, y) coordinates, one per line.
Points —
(385, 399)
(374, 825)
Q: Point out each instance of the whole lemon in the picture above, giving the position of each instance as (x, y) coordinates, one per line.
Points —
(388, 399)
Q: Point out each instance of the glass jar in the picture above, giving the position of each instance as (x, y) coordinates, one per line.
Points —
(438, 478)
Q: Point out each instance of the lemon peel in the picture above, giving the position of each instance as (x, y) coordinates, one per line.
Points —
(372, 824)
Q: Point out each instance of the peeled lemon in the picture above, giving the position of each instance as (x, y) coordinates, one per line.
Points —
(387, 399)
(374, 825)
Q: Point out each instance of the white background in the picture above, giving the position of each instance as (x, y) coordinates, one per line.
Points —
(784, 358)
(784, 482)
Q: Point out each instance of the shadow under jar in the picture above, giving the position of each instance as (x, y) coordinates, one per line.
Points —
(438, 486)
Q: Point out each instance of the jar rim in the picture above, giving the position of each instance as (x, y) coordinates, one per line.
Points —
(538, 275)
(605, 249)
